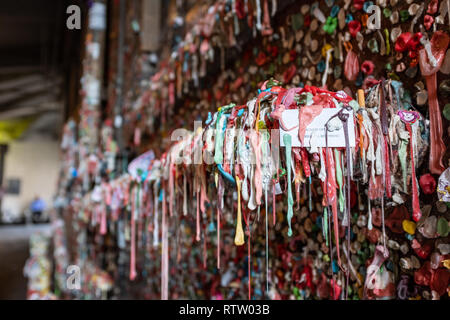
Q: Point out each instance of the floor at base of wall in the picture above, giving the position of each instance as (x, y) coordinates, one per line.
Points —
(14, 251)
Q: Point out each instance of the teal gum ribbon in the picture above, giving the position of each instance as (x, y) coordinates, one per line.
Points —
(266, 90)
(226, 175)
(288, 144)
(218, 150)
(397, 86)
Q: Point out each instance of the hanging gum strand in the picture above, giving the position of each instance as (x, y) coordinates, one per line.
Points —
(325, 224)
(171, 187)
(417, 214)
(274, 214)
(255, 140)
(331, 197)
(239, 238)
(133, 242)
(197, 238)
(339, 179)
(267, 243)
(218, 237)
(290, 213)
(164, 253)
(249, 266)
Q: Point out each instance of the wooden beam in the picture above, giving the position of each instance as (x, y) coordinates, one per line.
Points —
(44, 97)
(21, 81)
(25, 111)
(7, 71)
(45, 85)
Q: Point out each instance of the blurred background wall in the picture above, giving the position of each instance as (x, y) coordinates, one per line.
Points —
(39, 82)
(34, 161)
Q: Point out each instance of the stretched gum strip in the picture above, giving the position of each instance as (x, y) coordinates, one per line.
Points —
(255, 140)
(290, 213)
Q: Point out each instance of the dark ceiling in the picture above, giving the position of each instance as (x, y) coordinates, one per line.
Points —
(37, 55)
(31, 32)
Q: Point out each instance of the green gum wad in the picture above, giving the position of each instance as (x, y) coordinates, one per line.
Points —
(297, 21)
(442, 227)
(330, 25)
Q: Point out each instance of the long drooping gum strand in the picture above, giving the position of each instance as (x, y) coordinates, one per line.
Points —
(274, 7)
(255, 140)
(236, 22)
(164, 254)
(156, 216)
(151, 206)
(218, 237)
(258, 15)
(204, 249)
(305, 163)
(103, 225)
(325, 224)
(139, 233)
(239, 238)
(339, 178)
(267, 244)
(171, 187)
(388, 186)
(216, 179)
(331, 248)
(249, 265)
(351, 266)
(133, 250)
(402, 151)
(184, 195)
(218, 150)
(415, 205)
(274, 214)
(341, 54)
(307, 171)
(203, 196)
(257, 116)
(383, 110)
(361, 136)
(197, 238)
(267, 29)
(290, 213)
(309, 196)
(330, 166)
(349, 220)
(277, 163)
(383, 225)
(133, 242)
(362, 104)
